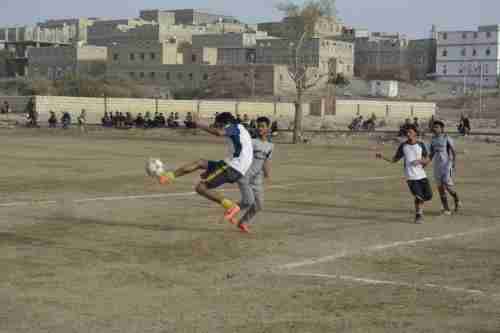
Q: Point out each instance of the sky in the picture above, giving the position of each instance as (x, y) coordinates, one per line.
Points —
(412, 17)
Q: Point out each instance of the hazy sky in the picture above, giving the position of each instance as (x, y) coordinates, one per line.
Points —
(413, 17)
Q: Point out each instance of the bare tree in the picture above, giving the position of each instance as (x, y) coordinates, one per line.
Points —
(301, 68)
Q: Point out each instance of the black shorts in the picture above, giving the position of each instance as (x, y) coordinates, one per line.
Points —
(219, 173)
(421, 189)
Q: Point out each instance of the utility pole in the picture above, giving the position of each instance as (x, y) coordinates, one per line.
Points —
(480, 88)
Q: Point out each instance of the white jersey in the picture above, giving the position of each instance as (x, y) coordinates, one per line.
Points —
(240, 148)
(411, 153)
(262, 152)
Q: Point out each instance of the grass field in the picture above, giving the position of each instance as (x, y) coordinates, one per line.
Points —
(88, 244)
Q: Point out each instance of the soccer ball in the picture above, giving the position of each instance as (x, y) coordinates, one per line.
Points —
(154, 167)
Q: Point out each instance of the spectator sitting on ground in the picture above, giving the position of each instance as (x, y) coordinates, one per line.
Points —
(106, 120)
(66, 120)
(163, 121)
(5, 108)
(177, 119)
(156, 120)
(52, 120)
(464, 126)
(148, 122)
(171, 120)
(189, 121)
(404, 128)
(356, 123)
(129, 121)
(139, 121)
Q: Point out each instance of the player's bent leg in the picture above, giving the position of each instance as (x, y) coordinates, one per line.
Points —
(451, 190)
(444, 200)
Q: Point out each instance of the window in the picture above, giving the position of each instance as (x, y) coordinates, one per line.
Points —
(464, 35)
(474, 52)
(167, 76)
(475, 35)
(445, 36)
(193, 58)
(180, 76)
(281, 77)
(488, 34)
(445, 69)
(116, 56)
(141, 75)
(190, 75)
(143, 56)
(463, 52)
(152, 75)
(485, 68)
(152, 55)
(132, 56)
(488, 52)
(445, 53)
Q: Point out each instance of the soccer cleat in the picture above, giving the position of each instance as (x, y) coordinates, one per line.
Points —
(231, 213)
(446, 212)
(244, 228)
(164, 179)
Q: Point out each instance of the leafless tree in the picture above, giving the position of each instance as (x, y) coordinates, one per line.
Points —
(301, 68)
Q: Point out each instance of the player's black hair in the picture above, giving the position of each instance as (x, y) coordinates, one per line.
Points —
(264, 120)
(225, 118)
(439, 123)
(412, 127)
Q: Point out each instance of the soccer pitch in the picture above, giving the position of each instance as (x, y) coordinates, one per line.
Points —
(89, 244)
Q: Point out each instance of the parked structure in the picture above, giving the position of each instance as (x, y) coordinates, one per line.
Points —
(471, 58)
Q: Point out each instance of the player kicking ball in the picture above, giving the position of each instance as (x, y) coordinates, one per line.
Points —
(415, 157)
(217, 173)
(252, 184)
(443, 156)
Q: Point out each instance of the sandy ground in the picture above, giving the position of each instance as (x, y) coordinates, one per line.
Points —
(88, 244)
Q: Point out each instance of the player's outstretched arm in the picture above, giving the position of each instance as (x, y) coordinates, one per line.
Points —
(379, 156)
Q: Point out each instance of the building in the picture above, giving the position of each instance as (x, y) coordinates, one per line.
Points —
(143, 53)
(316, 52)
(77, 28)
(471, 58)
(58, 62)
(18, 40)
(162, 17)
(195, 17)
(394, 57)
(293, 28)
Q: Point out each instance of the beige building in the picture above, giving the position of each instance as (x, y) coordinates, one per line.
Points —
(316, 52)
(293, 27)
(195, 17)
(159, 16)
(144, 53)
(77, 28)
(394, 57)
(58, 62)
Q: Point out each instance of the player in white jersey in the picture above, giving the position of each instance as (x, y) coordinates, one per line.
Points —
(217, 173)
(415, 157)
(252, 184)
(443, 156)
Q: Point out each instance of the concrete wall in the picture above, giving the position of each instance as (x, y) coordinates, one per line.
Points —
(346, 110)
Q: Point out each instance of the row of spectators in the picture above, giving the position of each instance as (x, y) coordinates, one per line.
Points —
(158, 120)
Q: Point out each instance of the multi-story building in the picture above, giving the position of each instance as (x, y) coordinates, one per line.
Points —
(472, 57)
(195, 17)
(293, 28)
(161, 64)
(18, 40)
(162, 17)
(394, 56)
(58, 62)
(316, 52)
(76, 27)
